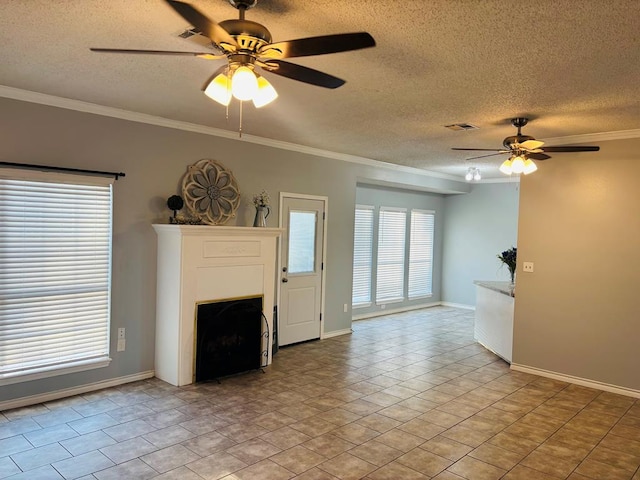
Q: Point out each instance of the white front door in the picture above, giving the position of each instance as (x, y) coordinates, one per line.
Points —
(303, 219)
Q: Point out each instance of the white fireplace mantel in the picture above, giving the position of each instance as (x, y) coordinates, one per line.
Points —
(199, 263)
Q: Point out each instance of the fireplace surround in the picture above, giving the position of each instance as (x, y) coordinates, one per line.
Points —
(198, 264)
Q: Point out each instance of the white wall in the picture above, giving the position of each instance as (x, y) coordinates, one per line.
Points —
(477, 227)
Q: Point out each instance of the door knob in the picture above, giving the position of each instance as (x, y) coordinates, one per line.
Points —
(285, 280)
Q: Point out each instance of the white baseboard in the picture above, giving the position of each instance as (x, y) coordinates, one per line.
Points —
(337, 333)
(458, 305)
(577, 380)
(389, 311)
(68, 392)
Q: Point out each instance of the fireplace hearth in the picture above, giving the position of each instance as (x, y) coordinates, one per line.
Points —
(229, 338)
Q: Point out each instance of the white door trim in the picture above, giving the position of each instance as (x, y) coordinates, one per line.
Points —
(325, 223)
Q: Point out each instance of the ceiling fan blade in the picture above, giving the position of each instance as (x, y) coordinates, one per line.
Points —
(484, 156)
(531, 144)
(302, 74)
(570, 148)
(481, 149)
(304, 47)
(207, 27)
(207, 56)
(538, 156)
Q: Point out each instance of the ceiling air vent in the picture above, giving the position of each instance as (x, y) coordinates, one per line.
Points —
(194, 36)
(461, 126)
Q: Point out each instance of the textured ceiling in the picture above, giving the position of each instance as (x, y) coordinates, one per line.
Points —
(573, 66)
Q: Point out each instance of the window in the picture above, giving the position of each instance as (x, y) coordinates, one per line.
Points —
(362, 256)
(55, 274)
(302, 242)
(391, 242)
(421, 253)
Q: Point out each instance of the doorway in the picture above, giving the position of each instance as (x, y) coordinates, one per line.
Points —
(302, 250)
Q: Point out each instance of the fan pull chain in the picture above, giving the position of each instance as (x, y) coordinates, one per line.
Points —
(240, 127)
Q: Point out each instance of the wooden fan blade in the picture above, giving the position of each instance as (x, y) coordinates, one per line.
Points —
(531, 144)
(303, 74)
(484, 156)
(538, 156)
(207, 56)
(481, 149)
(570, 148)
(304, 47)
(207, 27)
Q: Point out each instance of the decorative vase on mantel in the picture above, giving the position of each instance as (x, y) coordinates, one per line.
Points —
(260, 219)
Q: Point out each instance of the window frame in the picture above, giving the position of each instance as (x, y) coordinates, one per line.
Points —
(370, 209)
(99, 354)
(382, 249)
(429, 243)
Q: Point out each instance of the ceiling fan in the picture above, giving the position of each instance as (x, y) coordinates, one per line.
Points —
(524, 148)
(247, 45)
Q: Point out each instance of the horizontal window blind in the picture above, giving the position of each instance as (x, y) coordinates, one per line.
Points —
(362, 255)
(421, 253)
(55, 269)
(390, 262)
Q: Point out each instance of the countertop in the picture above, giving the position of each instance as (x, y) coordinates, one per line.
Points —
(502, 287)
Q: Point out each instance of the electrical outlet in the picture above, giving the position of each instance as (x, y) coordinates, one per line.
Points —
(122, 343)
(345, 308)
(383, 306)
(121, 334)
(527, 266)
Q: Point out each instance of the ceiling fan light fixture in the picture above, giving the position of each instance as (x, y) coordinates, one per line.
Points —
(529, 166)
(265, 94)
(244, 84)
(469, 176)
(219, 89)
(517, 164)
(506, 167)
(473, 173)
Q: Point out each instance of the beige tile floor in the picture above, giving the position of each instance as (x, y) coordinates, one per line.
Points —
(407, 396)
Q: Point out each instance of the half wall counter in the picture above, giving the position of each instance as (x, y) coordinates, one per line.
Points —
(494, 317)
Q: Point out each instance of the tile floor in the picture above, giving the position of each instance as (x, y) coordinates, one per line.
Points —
(407, 396)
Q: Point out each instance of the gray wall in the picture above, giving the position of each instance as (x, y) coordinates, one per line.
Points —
(577, 313)
(154, 160)
(394, 197)
(477, 227)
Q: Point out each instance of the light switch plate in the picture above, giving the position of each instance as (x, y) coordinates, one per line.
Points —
(527, 266)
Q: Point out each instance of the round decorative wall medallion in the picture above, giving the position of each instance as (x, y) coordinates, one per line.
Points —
(211, 192)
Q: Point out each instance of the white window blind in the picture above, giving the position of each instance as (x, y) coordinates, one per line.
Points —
(421, 253)
(362, 255)
(391, 241)
(55, 270)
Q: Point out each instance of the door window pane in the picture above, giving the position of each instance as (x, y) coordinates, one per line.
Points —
(302, 242)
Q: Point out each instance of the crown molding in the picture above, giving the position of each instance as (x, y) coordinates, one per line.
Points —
(86, 107)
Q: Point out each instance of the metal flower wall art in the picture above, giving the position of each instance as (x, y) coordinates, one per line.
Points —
(211, 192)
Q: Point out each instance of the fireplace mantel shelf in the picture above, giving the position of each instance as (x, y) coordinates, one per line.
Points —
(214, 230)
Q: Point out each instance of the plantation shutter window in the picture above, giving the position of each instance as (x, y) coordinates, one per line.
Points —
(55, 273)
(392, 226)
(421, 253)
(362, 256)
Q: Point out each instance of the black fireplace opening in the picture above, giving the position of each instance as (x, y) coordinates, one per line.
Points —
(229, 338)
